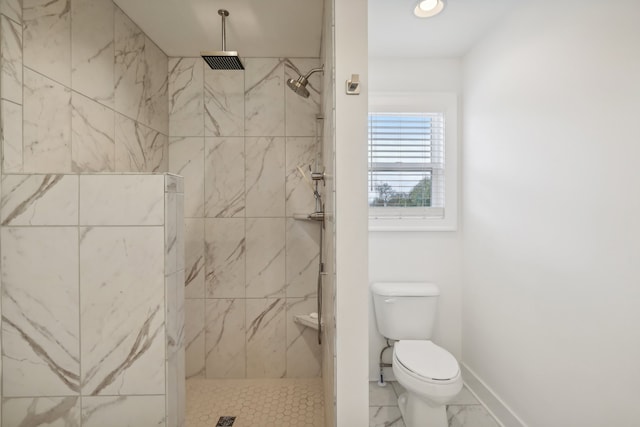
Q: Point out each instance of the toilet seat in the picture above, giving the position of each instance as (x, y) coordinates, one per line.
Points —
(426, 360)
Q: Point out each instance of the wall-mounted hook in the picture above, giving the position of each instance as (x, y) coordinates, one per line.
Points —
(353, 85)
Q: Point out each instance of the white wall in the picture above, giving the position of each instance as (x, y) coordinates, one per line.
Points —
(552, 213)
(417, 256)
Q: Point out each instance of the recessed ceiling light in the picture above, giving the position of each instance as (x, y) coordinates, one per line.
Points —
(428, 8)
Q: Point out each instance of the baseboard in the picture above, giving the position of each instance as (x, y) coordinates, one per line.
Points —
(496, 407)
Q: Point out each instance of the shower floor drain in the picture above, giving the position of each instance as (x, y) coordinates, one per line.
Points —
(225, 421)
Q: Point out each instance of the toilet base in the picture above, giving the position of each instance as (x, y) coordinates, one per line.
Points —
(418, 413)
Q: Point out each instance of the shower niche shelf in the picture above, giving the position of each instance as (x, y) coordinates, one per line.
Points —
(306, 320)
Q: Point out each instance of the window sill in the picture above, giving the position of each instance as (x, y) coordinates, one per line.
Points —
(411, 224)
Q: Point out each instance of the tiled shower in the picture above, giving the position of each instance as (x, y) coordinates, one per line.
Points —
(87, 96)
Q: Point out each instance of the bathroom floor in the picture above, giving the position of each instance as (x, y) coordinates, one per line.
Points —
(256, 402)
(463, 411)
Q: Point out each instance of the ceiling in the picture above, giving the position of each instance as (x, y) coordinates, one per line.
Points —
(293, 28)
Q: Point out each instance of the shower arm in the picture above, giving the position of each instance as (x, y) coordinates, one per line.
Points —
(315, 70)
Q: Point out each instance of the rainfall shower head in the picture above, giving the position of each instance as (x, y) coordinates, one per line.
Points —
(223, 59)
(299, 85)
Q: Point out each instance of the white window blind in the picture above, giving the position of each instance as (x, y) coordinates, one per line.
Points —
(406, 164)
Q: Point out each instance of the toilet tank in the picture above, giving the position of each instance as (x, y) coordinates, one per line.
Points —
(405, 310)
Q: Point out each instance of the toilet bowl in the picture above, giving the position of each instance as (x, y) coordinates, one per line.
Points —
(431, 376)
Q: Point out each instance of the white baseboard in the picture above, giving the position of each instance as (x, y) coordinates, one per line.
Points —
(496, 407)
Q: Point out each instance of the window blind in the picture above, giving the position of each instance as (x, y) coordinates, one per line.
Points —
(406, 160)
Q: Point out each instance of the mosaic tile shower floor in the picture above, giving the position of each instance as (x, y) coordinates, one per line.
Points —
(256, 402)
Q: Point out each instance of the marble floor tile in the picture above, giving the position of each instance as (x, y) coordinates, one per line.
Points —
(382, 396)
(385, 416)
(470, 416)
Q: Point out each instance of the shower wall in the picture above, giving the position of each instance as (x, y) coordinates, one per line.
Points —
(237, 137)
(83, 89)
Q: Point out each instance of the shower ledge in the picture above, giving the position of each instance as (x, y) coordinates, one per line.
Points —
(306, 320)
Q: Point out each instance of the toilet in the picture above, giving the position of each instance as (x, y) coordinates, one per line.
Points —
(405, 312)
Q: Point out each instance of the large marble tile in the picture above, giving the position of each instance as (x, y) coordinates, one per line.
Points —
(469, 415)
(300, 113)
(92, 48)
(139, 148)
(122, 279)
(186, 97)
(11, 135)
(194, 258)
(47, 38)
(123, 411)
(155, 92)
(39, 200)
(225, 257)
(465, 397)
(92, 136)
(129, 66)
(302, 256)
(194, 334)
(225, 338)
(180, 233)
(382, 396)
(12, 9)
(223, 102)
(266, 332)
(186, 158)
(265, 177)
(40, 311)
(121, 200)
(264, 97)
(47, 124)
(301, 152)
(304, 354)
(10, 60)
(224, 166)
(170, 233)
(41, 411)
(385, 416)
(265, 245)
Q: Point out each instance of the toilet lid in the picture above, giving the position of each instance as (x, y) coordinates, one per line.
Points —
(426, 359)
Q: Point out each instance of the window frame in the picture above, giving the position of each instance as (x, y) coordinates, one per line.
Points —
(422, 219)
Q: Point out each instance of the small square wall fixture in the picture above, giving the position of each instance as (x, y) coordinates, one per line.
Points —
(428, 8)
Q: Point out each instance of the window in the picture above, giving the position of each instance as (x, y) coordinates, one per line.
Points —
(412, 153)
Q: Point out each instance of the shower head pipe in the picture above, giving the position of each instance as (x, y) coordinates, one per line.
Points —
(299, 85)
(223, 59)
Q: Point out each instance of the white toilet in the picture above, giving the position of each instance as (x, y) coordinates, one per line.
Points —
(406, 312)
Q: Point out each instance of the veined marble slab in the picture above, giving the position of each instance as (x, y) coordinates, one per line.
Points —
(225, 338)
(266, 333)
(123, 411)
(304, 354)
(12, 9)
(224, 169)
(10, 60)
(265, 259)
(40, 329)
(155, 88)
(225, 257)
(301, 152)
(93, 146)
(139, 148)
(129, 66)
(300, 113)
(194, 337)
(41, 411)
(264, 97)
(223, 102)
(186, 97)
(11, 135)
(122, 280)
(186, 158)
(194, 258)
(265, 179)
(303, 252)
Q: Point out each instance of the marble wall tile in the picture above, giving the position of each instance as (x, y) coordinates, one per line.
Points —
(123, 411)
(225, 257)
(264, 97)
(265, 243)
(180, 234)
(265, 178)
(122, 200)
(92, 48)
(40, 311)
(127, 354)
(155, 88)
(266, 333)
(10, 60)
(39, 200)
(139, 148)
(302, 256)
(41, 411)
(223, 102)
(47, 124)
(186, 158)
(92, 136)
(129, 68)
(301, 152)
(186, 98)
(47, 38)
(11, 135)
(170, 233)
(194, 257)
(300, 113)
(304, 354)
(194, 337)
(12, 9)
(225, 338)
(224, 167)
